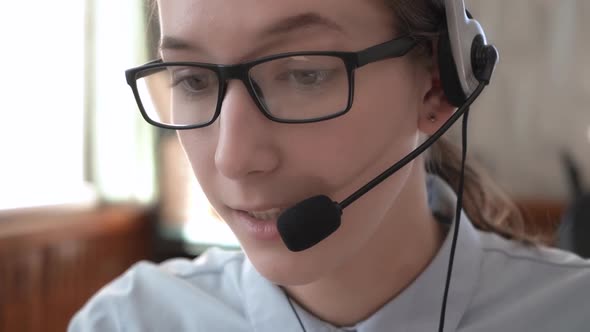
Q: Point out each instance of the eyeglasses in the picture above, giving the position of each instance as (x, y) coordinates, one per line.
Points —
(297, 87)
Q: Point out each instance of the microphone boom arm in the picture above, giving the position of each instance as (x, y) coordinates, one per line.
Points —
(416, 152)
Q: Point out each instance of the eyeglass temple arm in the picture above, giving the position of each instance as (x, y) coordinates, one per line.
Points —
(390, 49)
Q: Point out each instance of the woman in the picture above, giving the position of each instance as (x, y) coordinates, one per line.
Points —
(384, 268)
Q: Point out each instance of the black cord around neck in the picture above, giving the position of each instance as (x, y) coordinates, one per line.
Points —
(293, 308)
(459, 207)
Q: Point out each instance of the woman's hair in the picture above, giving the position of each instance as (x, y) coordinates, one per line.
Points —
(487, 206)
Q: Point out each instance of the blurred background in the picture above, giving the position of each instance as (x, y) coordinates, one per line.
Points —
(87, 188)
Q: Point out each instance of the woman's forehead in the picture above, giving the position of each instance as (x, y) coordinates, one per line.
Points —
(207, 22)
(268, 8)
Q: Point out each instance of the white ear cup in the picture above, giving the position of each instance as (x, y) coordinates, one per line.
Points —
(462, 31)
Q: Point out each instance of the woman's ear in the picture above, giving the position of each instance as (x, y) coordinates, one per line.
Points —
(435, 109)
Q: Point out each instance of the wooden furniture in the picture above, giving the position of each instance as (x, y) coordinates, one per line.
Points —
(543, 216)
(52, 261)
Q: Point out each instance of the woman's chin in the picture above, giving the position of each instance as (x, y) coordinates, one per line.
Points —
(285, 268)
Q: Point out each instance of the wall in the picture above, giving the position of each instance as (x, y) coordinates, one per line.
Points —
(539, 101)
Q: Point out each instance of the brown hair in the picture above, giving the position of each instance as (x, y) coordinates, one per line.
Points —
(487, 206)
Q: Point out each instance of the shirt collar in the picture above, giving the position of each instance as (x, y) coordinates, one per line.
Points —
(266, 304)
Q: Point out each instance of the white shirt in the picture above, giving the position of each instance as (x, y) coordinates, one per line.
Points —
(497, 285)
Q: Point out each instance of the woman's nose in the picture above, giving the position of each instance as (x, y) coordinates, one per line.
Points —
(246, 142)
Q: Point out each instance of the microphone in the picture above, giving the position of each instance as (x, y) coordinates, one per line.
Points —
(314, 219)
(309, 222)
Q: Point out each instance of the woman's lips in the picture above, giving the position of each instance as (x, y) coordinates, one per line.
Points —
(261, 225)
(266, 215)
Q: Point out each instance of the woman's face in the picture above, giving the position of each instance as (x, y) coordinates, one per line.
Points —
(250, 167)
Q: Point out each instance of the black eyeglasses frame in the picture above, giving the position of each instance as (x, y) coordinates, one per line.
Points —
(394, 48)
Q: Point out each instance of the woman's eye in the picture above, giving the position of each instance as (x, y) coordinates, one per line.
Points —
(194, 83)
(305, 77)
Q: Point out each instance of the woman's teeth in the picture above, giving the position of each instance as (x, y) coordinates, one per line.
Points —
(266, 215)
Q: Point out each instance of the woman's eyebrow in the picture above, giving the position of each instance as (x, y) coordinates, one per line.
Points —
(298, 22)
(282, 27)
(173, 43)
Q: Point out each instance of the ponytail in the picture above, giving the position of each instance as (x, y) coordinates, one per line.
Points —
(487, 206)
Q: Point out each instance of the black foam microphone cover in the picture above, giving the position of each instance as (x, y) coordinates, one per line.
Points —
(309, 222)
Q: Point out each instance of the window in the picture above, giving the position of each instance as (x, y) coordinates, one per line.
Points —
(42, 89)
(70, 131)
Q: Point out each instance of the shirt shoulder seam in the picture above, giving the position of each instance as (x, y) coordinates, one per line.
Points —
(214, 269)
(578, 265)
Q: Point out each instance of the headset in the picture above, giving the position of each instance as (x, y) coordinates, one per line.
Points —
(466, 64)
(465, 59)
